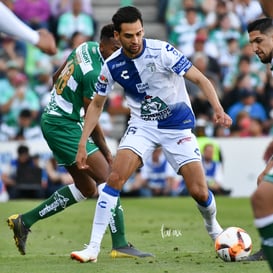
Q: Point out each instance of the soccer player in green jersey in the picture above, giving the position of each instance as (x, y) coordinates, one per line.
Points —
(62, 123)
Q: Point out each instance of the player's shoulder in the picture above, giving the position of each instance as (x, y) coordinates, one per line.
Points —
(90, 46)
(153, 43)
(158, 45)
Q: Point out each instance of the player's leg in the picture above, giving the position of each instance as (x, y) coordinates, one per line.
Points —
(99, 170)
(196, 184)
(57, 202)
(262, 204)
(124, 165)
(64, 146)
(183, 153)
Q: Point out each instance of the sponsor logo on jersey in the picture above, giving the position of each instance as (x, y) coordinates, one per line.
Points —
(124, 74)
(117, 65)
(101, 87)
(149, 56)
(85, 55)
(103, 79)
(142, 87)
(182, 65)
(154, 109)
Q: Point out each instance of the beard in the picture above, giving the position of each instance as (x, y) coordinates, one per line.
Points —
(266, 58)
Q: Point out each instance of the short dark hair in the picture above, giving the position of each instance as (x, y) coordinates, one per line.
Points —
(263, 25)
(128, 14)
(22, 149)
(25, 113)
(107, 32)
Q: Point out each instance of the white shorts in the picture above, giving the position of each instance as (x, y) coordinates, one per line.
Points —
(179, 146)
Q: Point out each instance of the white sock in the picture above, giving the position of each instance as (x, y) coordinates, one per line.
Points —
(209, 212)
(76, 193)
(100, 187)
(264, 221)
(105, 207)
(209, 215)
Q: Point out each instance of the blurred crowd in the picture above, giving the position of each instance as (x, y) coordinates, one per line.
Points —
(211, 33)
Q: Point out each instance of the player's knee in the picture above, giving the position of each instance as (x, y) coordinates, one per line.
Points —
(116, 181)
(91, 193)
(88, 190)
(199, 193)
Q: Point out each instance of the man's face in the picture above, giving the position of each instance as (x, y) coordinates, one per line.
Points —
(130, 37)
(262, 45)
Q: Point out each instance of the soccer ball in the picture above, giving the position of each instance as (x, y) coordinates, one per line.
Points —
(233, 244)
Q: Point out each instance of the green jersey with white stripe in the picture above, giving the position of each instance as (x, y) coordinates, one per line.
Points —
(76, 81)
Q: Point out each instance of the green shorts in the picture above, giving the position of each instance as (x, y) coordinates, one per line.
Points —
(268, 177)
(63, 136)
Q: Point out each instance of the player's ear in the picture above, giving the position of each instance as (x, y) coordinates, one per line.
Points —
(116, 35)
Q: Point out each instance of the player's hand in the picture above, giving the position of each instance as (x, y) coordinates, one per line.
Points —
(223, 119)
(47, 42)
(81, 158)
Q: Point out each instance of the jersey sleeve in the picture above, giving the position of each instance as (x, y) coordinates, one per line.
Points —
(174, 60)
(105, 81)
(12, 25)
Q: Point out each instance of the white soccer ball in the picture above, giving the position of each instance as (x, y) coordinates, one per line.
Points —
(233, 244)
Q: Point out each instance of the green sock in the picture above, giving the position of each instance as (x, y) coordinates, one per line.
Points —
(267, 242)
(117, 228)
(57, 202)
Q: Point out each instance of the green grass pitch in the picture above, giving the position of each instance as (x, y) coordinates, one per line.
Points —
(171, 228)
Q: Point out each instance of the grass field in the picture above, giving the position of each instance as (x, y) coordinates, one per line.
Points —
(186, 247)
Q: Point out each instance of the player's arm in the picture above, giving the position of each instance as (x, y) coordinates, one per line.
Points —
(12, 25)
(267, 6)
(91, 120)
(195, 76)
(58, 72)
(98, 135)
(99, 139)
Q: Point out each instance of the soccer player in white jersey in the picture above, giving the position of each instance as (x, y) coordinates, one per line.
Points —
(12, 25)
(151, 73)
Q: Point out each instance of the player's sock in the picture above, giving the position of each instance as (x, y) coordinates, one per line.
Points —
(209, 211)
(58, 201)
(105, 209)
(265, 228)
(116, 225)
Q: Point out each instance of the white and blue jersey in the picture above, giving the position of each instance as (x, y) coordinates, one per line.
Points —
(153, 83)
